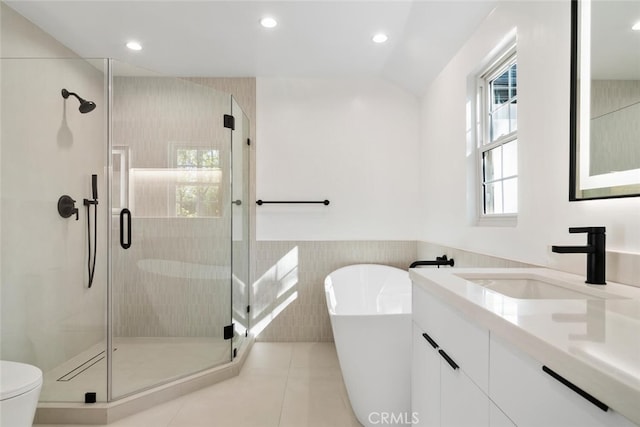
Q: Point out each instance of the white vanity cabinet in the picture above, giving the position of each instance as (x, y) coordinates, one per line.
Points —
(518, 364)
(450, 366)
(532, 397)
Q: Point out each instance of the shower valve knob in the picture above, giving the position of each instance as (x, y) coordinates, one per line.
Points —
(67, 207)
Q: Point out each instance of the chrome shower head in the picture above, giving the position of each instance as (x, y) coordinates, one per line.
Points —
(85, 106)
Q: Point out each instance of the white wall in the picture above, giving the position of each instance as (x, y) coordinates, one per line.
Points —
(354, 142)
(543, 31)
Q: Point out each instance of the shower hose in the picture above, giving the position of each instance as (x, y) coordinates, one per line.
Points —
(91, 265)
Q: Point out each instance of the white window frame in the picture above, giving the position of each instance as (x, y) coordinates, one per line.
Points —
(503, 60)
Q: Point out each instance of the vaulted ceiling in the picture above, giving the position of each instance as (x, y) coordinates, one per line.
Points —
(322, 38)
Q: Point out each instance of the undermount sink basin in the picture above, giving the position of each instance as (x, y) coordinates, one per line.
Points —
(537, 287)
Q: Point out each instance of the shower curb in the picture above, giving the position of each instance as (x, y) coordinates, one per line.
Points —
(105, 413)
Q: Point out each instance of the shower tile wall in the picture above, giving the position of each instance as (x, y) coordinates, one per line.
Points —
(621, 130)
(168, 287)
(176, 282)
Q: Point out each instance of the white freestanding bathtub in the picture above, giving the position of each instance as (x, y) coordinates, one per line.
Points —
(370, 311)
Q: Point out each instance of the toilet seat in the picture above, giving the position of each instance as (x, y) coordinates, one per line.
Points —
(18, 378)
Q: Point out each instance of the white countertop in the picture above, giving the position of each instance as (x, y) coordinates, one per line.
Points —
(594, 343)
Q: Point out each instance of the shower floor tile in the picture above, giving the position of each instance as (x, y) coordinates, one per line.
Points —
(137, 363)
(280, 385)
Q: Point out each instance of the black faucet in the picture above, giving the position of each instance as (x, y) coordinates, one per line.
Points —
(440, 260)
(595, 251)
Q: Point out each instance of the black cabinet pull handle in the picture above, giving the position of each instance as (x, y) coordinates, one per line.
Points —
(449, 360)
(430, 340)
(577, 389)
(125, 212)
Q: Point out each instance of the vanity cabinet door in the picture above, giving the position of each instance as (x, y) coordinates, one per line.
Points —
(462, 339)
(463, 403)
(441, 393)
(497, 418)
(425, 381)
(531, 397)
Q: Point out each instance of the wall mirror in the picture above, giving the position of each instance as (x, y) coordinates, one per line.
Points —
(605, 99)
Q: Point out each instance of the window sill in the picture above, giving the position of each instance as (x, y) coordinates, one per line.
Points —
(507, 220)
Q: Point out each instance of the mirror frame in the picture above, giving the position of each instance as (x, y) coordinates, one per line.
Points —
(575, 192)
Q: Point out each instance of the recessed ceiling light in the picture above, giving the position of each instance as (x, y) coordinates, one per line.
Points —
(380, 38)
(636, 26)
(134, 45)
(268, 22)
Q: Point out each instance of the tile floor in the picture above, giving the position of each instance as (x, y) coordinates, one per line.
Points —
(280, 385)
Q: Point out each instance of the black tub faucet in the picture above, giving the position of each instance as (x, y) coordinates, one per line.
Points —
(440, 260)
(595, 250)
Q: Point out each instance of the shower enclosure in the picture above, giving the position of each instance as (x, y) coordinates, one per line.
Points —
(169, 294)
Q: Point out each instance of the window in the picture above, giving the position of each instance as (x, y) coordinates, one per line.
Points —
(197, 189)
(498, 142)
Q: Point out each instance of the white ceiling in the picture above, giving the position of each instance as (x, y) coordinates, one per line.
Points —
(224, 39)
(615, 47)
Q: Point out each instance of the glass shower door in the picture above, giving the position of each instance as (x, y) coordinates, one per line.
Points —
(240, 145)
(171, 229)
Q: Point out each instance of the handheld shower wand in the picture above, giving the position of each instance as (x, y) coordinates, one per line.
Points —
(94, 187)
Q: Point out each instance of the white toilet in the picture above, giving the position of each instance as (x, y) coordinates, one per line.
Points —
(20, 386)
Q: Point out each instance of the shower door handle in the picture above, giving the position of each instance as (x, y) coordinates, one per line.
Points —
(125, 212)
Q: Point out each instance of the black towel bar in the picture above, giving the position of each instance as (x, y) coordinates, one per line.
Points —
(262, 202)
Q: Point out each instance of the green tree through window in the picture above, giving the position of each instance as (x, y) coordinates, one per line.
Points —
(198, 182)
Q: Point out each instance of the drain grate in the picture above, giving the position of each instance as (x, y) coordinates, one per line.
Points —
(83, 366)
